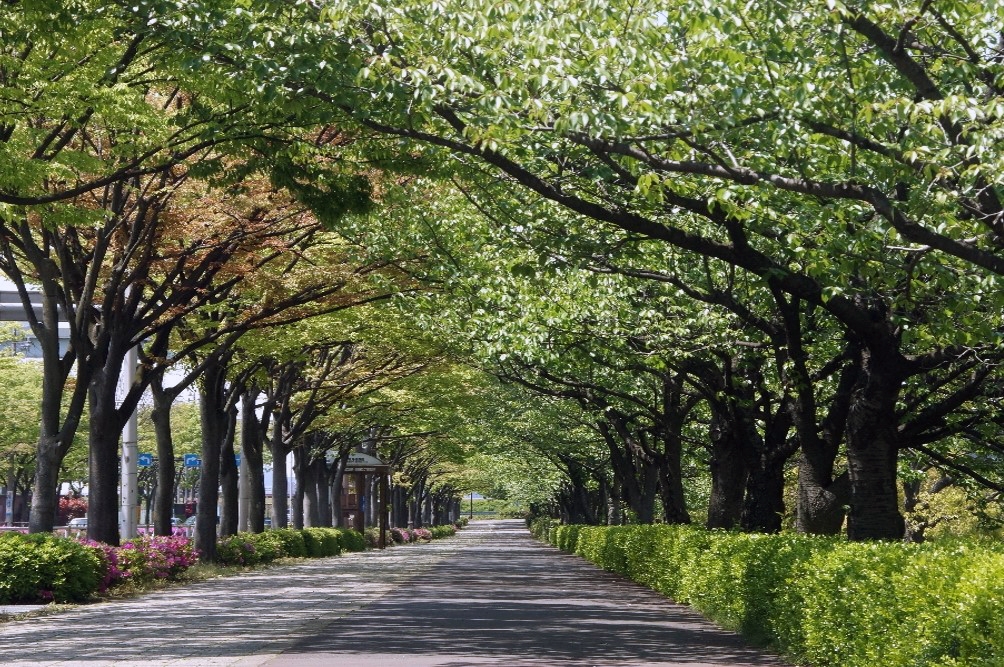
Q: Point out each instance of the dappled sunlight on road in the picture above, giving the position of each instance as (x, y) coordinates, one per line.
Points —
(489, 596)
(511, 600)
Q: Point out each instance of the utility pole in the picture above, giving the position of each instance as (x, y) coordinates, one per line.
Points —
(129, 492)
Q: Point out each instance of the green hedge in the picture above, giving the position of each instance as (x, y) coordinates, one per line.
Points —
(44, 568)
(321, 542)
(823, 601)
(255, 548)
(351, 540)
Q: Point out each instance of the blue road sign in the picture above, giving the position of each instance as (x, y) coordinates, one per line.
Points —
(144, 460)
(192, 461)
(237, 460)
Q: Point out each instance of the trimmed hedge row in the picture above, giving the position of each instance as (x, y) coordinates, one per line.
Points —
(256, 548)
(821, 600)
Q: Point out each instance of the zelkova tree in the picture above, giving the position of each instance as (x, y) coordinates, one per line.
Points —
(270, 280)
(846, 157)
(115, 135)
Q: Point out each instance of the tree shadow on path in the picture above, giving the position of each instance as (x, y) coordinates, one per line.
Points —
(511, 600)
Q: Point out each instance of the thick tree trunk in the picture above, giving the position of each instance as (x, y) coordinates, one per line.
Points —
(637, 479)
(103, 462)
(821, 495)
(254, 462)
(763, 506)
(44, 499)
(299, 475)
(214, 422)
(229, 482)
(311, 501)
(280, 480)
(872, 450)
(321, 493)
(163, 502)
(728, 471)
(56, 429)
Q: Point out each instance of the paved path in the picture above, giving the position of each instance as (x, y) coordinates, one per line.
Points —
(490, 596)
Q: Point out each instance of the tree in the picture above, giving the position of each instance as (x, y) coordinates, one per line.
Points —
(671, 131)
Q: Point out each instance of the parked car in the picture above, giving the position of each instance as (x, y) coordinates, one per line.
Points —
(80, 523)
(190, 521)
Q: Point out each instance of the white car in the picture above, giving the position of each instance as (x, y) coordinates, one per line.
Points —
(80, 523)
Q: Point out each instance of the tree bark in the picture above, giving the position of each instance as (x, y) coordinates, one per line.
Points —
(872, 449)
(252, 450)
(728, 471)
(229, 506)
(299, 475)
(163, 502)
(103, 460)
(213, 434)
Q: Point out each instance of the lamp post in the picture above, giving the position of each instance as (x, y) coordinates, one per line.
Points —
(472, 506)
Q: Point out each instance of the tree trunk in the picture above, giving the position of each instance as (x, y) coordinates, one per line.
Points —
(728, 471)
(103, 462)
(613, 503)
(253, 460)
(298, 476)
(337, 485)
(637, 479)
(763, 506)
(321, 493)
(280, 479)
(821, 495)
(163, 502)
(214, 417)
(229, 507)
(872, 450)
(307, 478)
(44, 499)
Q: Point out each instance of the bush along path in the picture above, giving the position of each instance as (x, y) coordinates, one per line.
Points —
(245, 619)
(823, 601)
(42, 568)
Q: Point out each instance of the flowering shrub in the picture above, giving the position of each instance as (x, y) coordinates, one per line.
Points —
(71, 508)
(421, 534)
(146, 559)
(400, 535)
(237, 549)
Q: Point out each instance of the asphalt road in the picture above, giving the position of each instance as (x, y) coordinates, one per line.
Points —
(489, 596)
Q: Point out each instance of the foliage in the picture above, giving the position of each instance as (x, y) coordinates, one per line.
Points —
(321, 542)
(421, 534)
(447, 530)
(71, 507)
(372, 536)
(239, 549)
(147, 559)
(293, 544)
(44, 568)
(818, 599)
(401, 535)
(351, 540)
